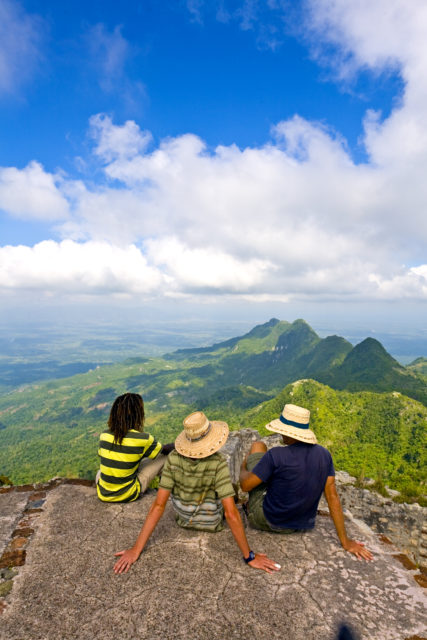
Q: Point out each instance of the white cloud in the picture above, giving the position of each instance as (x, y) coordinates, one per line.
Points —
(115, 141)
(31, 193)
(20, 42)
(294, 219)
(205, 269)
(383, 36)
(109, 52)
(109, 55)
(78, 268)
(410, 284)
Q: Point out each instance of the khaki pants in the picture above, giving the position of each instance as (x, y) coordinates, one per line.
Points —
(148, 470)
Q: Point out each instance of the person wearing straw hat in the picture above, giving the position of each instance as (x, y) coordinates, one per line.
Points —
(285, 483)
(198, 478)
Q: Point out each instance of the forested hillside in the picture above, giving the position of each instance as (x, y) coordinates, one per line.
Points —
(382, 436)
(52, 428)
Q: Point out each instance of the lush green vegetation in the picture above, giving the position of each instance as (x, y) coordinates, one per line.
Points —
(369, 366)
(419, 366)
(381, 436)
(52, 428)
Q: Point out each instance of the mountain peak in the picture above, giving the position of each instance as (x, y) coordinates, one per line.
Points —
(371, 349)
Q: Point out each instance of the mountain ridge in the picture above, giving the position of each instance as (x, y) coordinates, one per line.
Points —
(51, 428)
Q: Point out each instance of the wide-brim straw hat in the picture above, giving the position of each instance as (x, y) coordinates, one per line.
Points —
(294, 422)
(201, 437)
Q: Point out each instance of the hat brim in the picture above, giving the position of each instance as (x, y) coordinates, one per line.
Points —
(211, 443)
(304, 435)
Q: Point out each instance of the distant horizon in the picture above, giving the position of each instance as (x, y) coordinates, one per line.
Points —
(402, 343)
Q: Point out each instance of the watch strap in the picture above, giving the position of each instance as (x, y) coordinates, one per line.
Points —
(250, 557)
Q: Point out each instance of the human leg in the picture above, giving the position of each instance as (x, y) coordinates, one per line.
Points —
(258, 447)
(149, 469)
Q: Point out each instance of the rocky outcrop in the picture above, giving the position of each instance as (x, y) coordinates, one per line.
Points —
(57, 544)
(404, 524)
(189, 585)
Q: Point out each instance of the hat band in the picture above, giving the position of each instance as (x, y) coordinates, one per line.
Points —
(291, 423)
(200, 437)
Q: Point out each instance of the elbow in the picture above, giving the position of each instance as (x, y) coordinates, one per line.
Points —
(243, 485)
(233, 517)
(244, 481)
(158, 509)
(333, 500)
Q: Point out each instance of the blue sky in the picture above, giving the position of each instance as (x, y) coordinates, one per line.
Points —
(173, 74)
(253, 154)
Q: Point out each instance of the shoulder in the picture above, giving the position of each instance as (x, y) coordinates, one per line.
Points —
(218, 457)
(322, 451)
(106, 436)
(324, 456)
(217, 463)
(139, 435)
(276, 453)
(174, 457)
(137, 438)
(217, 460)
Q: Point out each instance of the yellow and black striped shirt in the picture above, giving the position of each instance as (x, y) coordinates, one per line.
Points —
(119, 464)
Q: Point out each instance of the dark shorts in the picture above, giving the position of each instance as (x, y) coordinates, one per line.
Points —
(256, 515)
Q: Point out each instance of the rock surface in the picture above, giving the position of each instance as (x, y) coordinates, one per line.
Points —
(194, 586)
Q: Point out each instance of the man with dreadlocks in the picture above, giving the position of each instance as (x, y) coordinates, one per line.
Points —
(130, 458)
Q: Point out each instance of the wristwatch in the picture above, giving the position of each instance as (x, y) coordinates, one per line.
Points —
(250, 557)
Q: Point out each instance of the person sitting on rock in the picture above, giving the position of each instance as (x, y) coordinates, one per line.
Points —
(198, 478)
(130, 458)
(285, 483)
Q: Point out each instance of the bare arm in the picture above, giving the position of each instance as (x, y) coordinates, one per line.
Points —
(129, 556)
(248, 480)
(337, 515)
(261, 561)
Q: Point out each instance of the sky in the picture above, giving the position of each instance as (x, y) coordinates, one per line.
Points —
(252, 157)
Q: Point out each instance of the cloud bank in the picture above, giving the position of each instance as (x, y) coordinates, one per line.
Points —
(294, 219)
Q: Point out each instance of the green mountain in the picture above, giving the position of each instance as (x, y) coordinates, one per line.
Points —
(258, 339)
(381, 436)
(269, 356)
(368, 366)
(418, 366)
(52, 428)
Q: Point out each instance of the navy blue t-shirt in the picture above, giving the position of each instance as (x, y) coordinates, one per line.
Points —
(295, 476)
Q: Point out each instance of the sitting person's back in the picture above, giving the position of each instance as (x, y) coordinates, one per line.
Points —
(285, 484)
(129, 458)
(197, 488)
(298, 474)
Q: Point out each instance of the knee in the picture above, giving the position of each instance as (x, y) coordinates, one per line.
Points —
(258, 447)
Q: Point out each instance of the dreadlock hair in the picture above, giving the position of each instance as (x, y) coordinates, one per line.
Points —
(126, 413)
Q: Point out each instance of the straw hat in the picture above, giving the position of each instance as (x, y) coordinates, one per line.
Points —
(293, 422)
(201, 437)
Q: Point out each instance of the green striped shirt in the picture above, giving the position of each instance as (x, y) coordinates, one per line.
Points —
(197, 487)
(119, 464)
